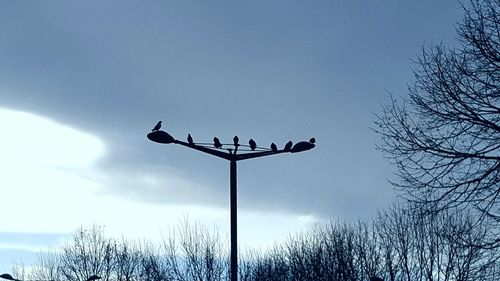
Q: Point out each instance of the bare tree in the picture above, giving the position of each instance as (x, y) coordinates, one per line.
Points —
(90, 253)
(153, 266)
(46, 267)
(201, 257)
(127, 261)
(445, 137)
(417, 245)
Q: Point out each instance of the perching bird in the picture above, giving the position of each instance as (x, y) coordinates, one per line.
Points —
(235, 140)
(157, 127)
(273, 147)
(312, 140)
(252, 144)
(190, 139)
(217, 143)
(288, 146)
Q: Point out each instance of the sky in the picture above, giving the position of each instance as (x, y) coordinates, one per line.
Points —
(83, 82)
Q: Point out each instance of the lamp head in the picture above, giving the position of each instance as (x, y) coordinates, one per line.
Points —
(7, 276)
(302, 146)
(161, 137)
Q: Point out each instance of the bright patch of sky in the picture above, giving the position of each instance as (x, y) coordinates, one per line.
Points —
(52, 184)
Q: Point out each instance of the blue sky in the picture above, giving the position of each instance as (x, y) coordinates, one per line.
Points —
(82, 83)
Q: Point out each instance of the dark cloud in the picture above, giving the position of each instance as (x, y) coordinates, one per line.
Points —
(269, 71)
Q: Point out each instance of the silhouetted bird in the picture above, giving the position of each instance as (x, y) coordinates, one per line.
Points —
(252, 144)
(157, 127)
(273, 147)
(312, 140)
(190, 139)
(288, 146)
(236, 140)
(217, 143)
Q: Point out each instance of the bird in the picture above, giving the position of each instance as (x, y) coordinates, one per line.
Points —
(190, 139)
(273, 147)
(235, 140)
(312, 140)
(252, 144)
(157, 127)
(288, 146)
(217, 143)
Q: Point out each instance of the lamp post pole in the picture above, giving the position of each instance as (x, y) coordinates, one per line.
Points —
(232, 156)
(233, 191)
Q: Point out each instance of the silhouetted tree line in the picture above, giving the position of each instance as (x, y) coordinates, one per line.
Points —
(402, 243)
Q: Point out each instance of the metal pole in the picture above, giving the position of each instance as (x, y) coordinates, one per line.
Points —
(233, 211)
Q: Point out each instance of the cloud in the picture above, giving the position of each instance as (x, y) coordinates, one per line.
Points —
(47, 171)
(53, 183)
(33, 140)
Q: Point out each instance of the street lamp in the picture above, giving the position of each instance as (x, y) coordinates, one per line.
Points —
(9, 277)
(230, 153)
